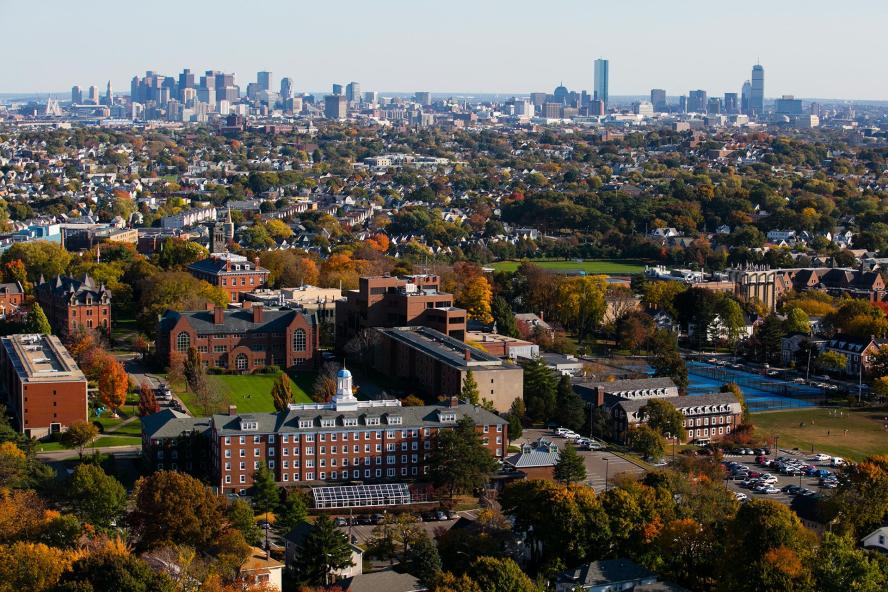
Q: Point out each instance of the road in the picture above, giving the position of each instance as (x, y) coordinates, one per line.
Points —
(139, 374)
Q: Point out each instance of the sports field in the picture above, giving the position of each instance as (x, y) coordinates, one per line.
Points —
(825, 430)
(589, 266)
(250, 392)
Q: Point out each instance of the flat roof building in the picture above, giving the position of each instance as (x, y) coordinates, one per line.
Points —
(42, 385)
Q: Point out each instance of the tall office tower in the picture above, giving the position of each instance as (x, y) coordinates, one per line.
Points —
(658, 100)
(353, 92)
(93, 95)
(136, 90)
(286, 88)
(602, 74)
(757, 94)
(424, 98)
(189, 96)
(683, 104)
(109, 95)
(337, 89)
(186, 81)
(744, 97)
(76, 95)
(538, 98)
(370, 97)
(697, 101)
(731, 104)
(714, 106)
(335, 107)
(264, 80)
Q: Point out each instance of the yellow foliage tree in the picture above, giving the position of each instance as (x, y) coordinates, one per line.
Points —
(476, 297)
(31, 566)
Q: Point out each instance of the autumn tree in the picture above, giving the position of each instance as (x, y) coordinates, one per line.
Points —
(501, 575)
(282, 392)
(41, 258)
(663, 417)
(476, 297)
(646, 441)
(174, 290)
(147, 400)
(114, 571)
(79, 435)
(34, 567)
(113, 383)
(581, 303)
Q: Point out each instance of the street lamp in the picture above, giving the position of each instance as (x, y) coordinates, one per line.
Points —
(776, 449)
(606, 470)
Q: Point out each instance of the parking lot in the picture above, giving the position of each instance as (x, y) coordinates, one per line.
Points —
(601, 465)
(810, 483)
(362, 533)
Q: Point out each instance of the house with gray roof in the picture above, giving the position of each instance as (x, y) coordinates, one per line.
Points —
(708, 417)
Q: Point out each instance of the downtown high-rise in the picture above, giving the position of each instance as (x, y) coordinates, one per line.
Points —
(757, 91)
(601, 80)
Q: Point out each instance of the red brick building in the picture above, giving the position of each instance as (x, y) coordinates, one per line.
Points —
(242, 339)
(344, 440)
(385, 301)
(41, 384)
(69, 303)
(12, 296)
(233, 273)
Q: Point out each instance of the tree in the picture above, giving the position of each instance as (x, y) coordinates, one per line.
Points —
(266, 495)
(174, 290)
(501, 575)
(663, 417)
(147, 400)
(469, 391)
(36, 321)
(170, 507)
(40, 257)
(241, 517)
(581, 304)
(878, 362)
(476, 297)
(514, 417)
(459, 462)
(448, 582)
(734, 389)
(797, 321)
(647, 441)
(769, 334)
(80, 434)
(97, 498)
(177, 253)
(831, 361)
(324, 550)
(291, 512)
(503, 317)
(13, 464)
(107, 570)
(634, 329)
(423, 559)
(539, 390)
(880, 388)
(840, 565)
(569, 408)
(570, 468)
(668, 361)
(282, 392)
(113, 383)
(31, 566)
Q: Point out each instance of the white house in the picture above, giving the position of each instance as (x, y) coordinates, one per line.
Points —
(877, 539)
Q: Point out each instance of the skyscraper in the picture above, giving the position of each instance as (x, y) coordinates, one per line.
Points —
(109, 95)
(337, 89)
(353, 92)
(757, 94)
(697, 101)
(93, 95)
(744, 97)
(601, 80)
(335, 107)
(424, 98)
(731, 105)
(76, 95)
(264, 80)
(286, 88)
(658, 99)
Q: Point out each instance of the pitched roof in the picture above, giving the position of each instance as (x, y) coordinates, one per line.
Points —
(633, 405)
(170, 424)
(235, 320)
(607, 571)
(387, 580)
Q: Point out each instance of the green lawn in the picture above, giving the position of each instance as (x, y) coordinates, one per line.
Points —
(112, 440)
(598, 266)
(866, 433)
(250, 392)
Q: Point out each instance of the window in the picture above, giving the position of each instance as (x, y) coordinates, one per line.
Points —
(240, 362)
(299, 340)
(243, 478)
(183, 342)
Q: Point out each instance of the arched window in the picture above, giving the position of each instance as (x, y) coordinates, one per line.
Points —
(299, 340)
(240, 362)
(183, 341)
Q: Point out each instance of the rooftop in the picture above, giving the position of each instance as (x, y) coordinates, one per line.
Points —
(443, 348)
(41, 358)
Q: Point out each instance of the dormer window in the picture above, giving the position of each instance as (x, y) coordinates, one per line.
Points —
(447, 416)
(306, 423)
(395, 420)
(249, 424)
(350, 421)
(372, 421)
(328, 422)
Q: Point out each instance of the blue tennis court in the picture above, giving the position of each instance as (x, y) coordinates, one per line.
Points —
(762, 393)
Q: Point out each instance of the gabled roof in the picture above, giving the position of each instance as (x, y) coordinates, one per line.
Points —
(235, 320)
(607, 571)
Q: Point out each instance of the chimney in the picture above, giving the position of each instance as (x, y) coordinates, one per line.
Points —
(468, 355)
(218, 316)
(542, 317)
(256, 262)
(257, 313)
(232, 410)
(599, 396)
(454, 401)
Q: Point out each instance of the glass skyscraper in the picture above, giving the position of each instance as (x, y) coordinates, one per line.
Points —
(601, 81)
(757, 91)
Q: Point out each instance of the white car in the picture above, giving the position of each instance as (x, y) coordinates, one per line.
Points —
(768, 479)
(837, 462)
(741, 497)
(822, 457)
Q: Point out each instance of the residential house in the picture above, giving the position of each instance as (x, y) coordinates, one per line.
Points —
(856, 351)
(877, 539)
(294, 540)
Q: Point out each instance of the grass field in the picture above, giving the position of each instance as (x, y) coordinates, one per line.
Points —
(866, 434)
(597, 266)
(250, 392)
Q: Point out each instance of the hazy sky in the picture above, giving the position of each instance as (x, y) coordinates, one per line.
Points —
(810, 48)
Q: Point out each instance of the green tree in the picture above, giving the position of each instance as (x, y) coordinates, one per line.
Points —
(80, 434)
(282, 392)
(663, 417)
(469, 391)
(96, 497)
(570, 468)
(501, 575)
(647, 441)
(107, 570)
(423, 559)
(177, 253)
(840, 565)
(539, 390)
(769, 334)
(797, 321)
(667, 360)
(41, 258)
(241, 517)
(569, 408)
(734, 388)
(324, 550)
(291, 512)
(515, 417)
(831, 361)
(504, 317)
(266, 495)
(37, 322)
(459, 462)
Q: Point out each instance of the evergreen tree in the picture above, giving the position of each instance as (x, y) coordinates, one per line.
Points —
(469, 391)
(291, 512)
(504, 317)
(266, 496)
(241, 517)
(459, 462)
(37, 322)
(424, 560)
(570, 467)
(323, 551)
(569, 409)
(539, 390)
(282, 392)
(515, 417)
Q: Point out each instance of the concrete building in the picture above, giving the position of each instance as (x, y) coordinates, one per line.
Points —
(658, 100)
(436, 365)
(42, 386)
(602, 81)
(242, 340)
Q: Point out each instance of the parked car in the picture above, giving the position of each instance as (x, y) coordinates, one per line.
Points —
(820, 457)
(340, 521)
(741, 497)
(837, 462)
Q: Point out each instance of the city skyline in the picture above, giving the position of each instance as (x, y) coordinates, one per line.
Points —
(651, 52)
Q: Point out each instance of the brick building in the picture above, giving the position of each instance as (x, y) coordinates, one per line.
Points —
(436, 365)
(384, 301)
(70, 303)
(42, 387)
(235, 274)
(344, 440)
(241, 339)
(708, 418)
(12, 296)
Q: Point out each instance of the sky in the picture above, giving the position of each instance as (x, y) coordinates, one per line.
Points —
(810, 48)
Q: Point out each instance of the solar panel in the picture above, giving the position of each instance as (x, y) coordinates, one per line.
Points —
(361, 496)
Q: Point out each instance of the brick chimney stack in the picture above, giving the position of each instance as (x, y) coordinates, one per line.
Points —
(454, 401)
(218, 316)
(599, 396)
(468, 355)
(257, 313)
(232, 410)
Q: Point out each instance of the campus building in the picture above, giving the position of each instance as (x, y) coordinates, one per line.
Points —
(241, 339)
(70, 304)
(12, 296)
(385, 301)
(708, 418)
(235, 274)
(42, 387)
(340, 441)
